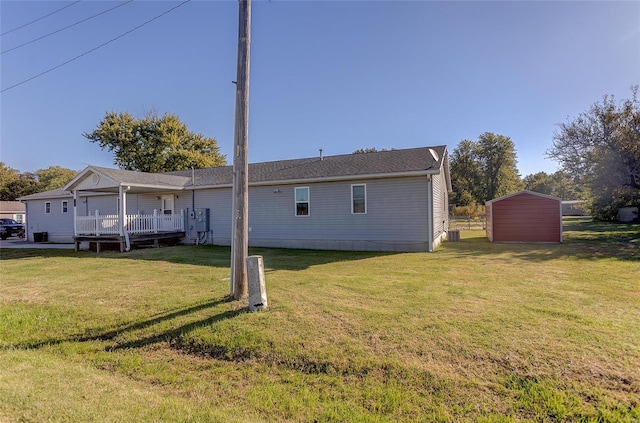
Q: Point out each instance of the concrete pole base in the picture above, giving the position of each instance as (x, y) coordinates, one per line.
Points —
(257, 286)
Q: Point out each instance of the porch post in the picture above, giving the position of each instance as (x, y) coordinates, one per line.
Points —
(75, 212)
(122, 192)
(155, 221)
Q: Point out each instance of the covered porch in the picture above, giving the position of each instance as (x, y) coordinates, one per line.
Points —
(125, 228)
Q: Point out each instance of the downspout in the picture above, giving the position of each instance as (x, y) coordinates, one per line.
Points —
(75, 212)
(26, 221)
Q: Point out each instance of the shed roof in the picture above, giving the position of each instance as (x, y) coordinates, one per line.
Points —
(504, 197)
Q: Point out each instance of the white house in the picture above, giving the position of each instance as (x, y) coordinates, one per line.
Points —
(13, 210)
(383, 201)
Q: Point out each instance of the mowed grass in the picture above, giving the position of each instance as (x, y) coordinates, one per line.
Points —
(473, 332)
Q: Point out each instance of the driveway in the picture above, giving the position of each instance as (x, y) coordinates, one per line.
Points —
(21, 243)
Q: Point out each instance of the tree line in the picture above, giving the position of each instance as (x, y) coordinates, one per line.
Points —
(598, 152)
(15, 184)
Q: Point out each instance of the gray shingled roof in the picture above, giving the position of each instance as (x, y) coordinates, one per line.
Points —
(11, 207)
(378, 163)
(54, 193)
(144, 178)
(313, 168)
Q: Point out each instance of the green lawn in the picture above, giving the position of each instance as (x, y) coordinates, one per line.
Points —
(475, 332)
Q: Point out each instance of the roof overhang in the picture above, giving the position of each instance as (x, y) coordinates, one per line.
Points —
(303, 181)
(94, 180)
(537, 194)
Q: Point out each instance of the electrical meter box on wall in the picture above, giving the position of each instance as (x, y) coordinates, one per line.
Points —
(201, 218)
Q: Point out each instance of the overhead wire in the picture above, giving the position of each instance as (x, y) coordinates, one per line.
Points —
(40, 18)
(66, 27)
(95, 48)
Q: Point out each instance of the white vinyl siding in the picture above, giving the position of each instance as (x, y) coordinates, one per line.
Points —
(302, 201)
(43, 218)
(440, 209)
(359, 199)
(396, 217)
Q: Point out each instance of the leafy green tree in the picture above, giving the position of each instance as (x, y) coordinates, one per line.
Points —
(601, 148)
(15, 184)
(499, 163)
(558, 184)
(8, 176)
(25, 184)
(539, 182)
(154, 143)
(365, 150)
(54, 177)
(370, 150)
(466, 175)
(483, 170)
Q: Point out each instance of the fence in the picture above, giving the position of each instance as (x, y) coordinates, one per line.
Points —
(466, 222)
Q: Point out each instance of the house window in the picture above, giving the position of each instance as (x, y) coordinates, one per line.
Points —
(65, 206)
(18, 218)
(359, 199)
(47, 207)
(302, 201)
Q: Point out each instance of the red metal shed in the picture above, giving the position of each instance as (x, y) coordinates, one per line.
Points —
(525, 216)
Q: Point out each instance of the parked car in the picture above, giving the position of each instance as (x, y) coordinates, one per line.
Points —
(9, 227)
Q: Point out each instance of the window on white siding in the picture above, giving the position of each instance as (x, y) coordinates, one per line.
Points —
(18, 218)
(359, 199)
(47, 207)
(65, 207)
(302, 201)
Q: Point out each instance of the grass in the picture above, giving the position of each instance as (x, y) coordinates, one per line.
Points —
(477, 331)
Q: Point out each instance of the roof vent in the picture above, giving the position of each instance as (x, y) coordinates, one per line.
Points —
(434, 154)
(321, 157)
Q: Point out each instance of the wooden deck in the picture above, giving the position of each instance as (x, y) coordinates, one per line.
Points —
(153, 239)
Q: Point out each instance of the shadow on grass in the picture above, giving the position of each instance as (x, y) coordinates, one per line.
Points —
(209, 255)
(582, 239)
(160, 336)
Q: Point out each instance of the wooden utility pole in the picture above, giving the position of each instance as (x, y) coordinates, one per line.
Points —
(240, 224)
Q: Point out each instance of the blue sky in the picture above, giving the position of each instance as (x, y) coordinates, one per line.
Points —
(336, 75)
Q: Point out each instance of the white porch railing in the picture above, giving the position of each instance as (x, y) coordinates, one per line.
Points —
(109, 224)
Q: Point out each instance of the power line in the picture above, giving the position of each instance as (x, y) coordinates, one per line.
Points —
(95, 48)
(66, 27)
(41, 18)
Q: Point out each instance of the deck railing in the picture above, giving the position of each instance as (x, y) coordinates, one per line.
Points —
(109, 224)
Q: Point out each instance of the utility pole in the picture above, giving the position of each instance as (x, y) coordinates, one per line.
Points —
(240, 224)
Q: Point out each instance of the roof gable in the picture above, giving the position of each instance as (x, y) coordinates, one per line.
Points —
(96, 178)
(537, 194)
